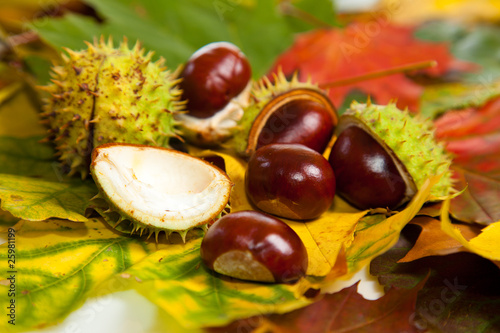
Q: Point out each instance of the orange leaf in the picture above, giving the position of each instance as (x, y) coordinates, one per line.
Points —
(433, 241)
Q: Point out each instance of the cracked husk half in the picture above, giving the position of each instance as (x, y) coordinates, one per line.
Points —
(157, 189)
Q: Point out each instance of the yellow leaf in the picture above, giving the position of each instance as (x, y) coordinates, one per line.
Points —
(19, 117)
(377, 235)
(175, 279)
(58, 264)
(486, 244)
(414, 12)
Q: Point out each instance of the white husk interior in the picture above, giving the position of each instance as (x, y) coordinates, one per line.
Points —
(161, 188)
(221, 125)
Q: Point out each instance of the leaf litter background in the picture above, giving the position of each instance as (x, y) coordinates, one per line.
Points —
(438, 276)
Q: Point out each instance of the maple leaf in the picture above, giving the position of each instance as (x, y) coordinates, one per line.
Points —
(473, 135)
(335, 54)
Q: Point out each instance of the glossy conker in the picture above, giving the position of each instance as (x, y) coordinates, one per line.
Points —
(301, 121)
(300, 115)
(290, 180)
(213, 75)
(250, 245)
(366, 175)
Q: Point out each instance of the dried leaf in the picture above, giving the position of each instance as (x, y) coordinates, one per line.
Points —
(461, 294)
(432, 241)
(347, 311)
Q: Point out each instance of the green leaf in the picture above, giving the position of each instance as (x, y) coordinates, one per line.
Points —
(438, 99)
(28, 157)
(32, 186)
(6, 220)
(322, 11)
(58, 264)
(479, 45)
(70, 31)
(37, 199)
(261, 31)
(175, 29)
(176, 280)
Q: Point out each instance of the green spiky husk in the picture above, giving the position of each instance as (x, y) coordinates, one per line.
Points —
(126, 224)
(105, 94)
(263, 91)
(412, 140)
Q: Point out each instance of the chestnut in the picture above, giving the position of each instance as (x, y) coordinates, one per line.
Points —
(366, 174)
(290, 180)
(250, 245)
(212, 76)
(286, 114)
(303, 121)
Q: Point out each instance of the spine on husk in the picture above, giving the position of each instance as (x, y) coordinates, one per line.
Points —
(104, 94)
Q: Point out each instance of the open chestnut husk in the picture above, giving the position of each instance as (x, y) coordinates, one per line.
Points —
(383, 155)
(286, 112)
(250, 245)
(215, 84)
(366, 174)
(290, 181)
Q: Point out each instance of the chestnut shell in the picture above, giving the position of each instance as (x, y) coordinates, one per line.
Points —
(270, 242)
(301, 115)
(212, 77)
(303, 121)
(366, 175)
(290, 180)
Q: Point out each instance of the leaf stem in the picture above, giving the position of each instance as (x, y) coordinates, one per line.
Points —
(379, 73)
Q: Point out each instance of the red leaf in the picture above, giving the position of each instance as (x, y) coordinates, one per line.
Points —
(360, 48)
(473, 135)
(347, 311)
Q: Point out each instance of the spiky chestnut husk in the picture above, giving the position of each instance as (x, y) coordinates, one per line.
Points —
(105, 94)
(157, 189)
(408, 139)
(266, 98)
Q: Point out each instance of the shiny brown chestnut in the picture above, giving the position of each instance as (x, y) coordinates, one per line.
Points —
(300, 121)
(213, 75)
(301, 115)
(250, 245)
(290, 180)
(366, 175)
